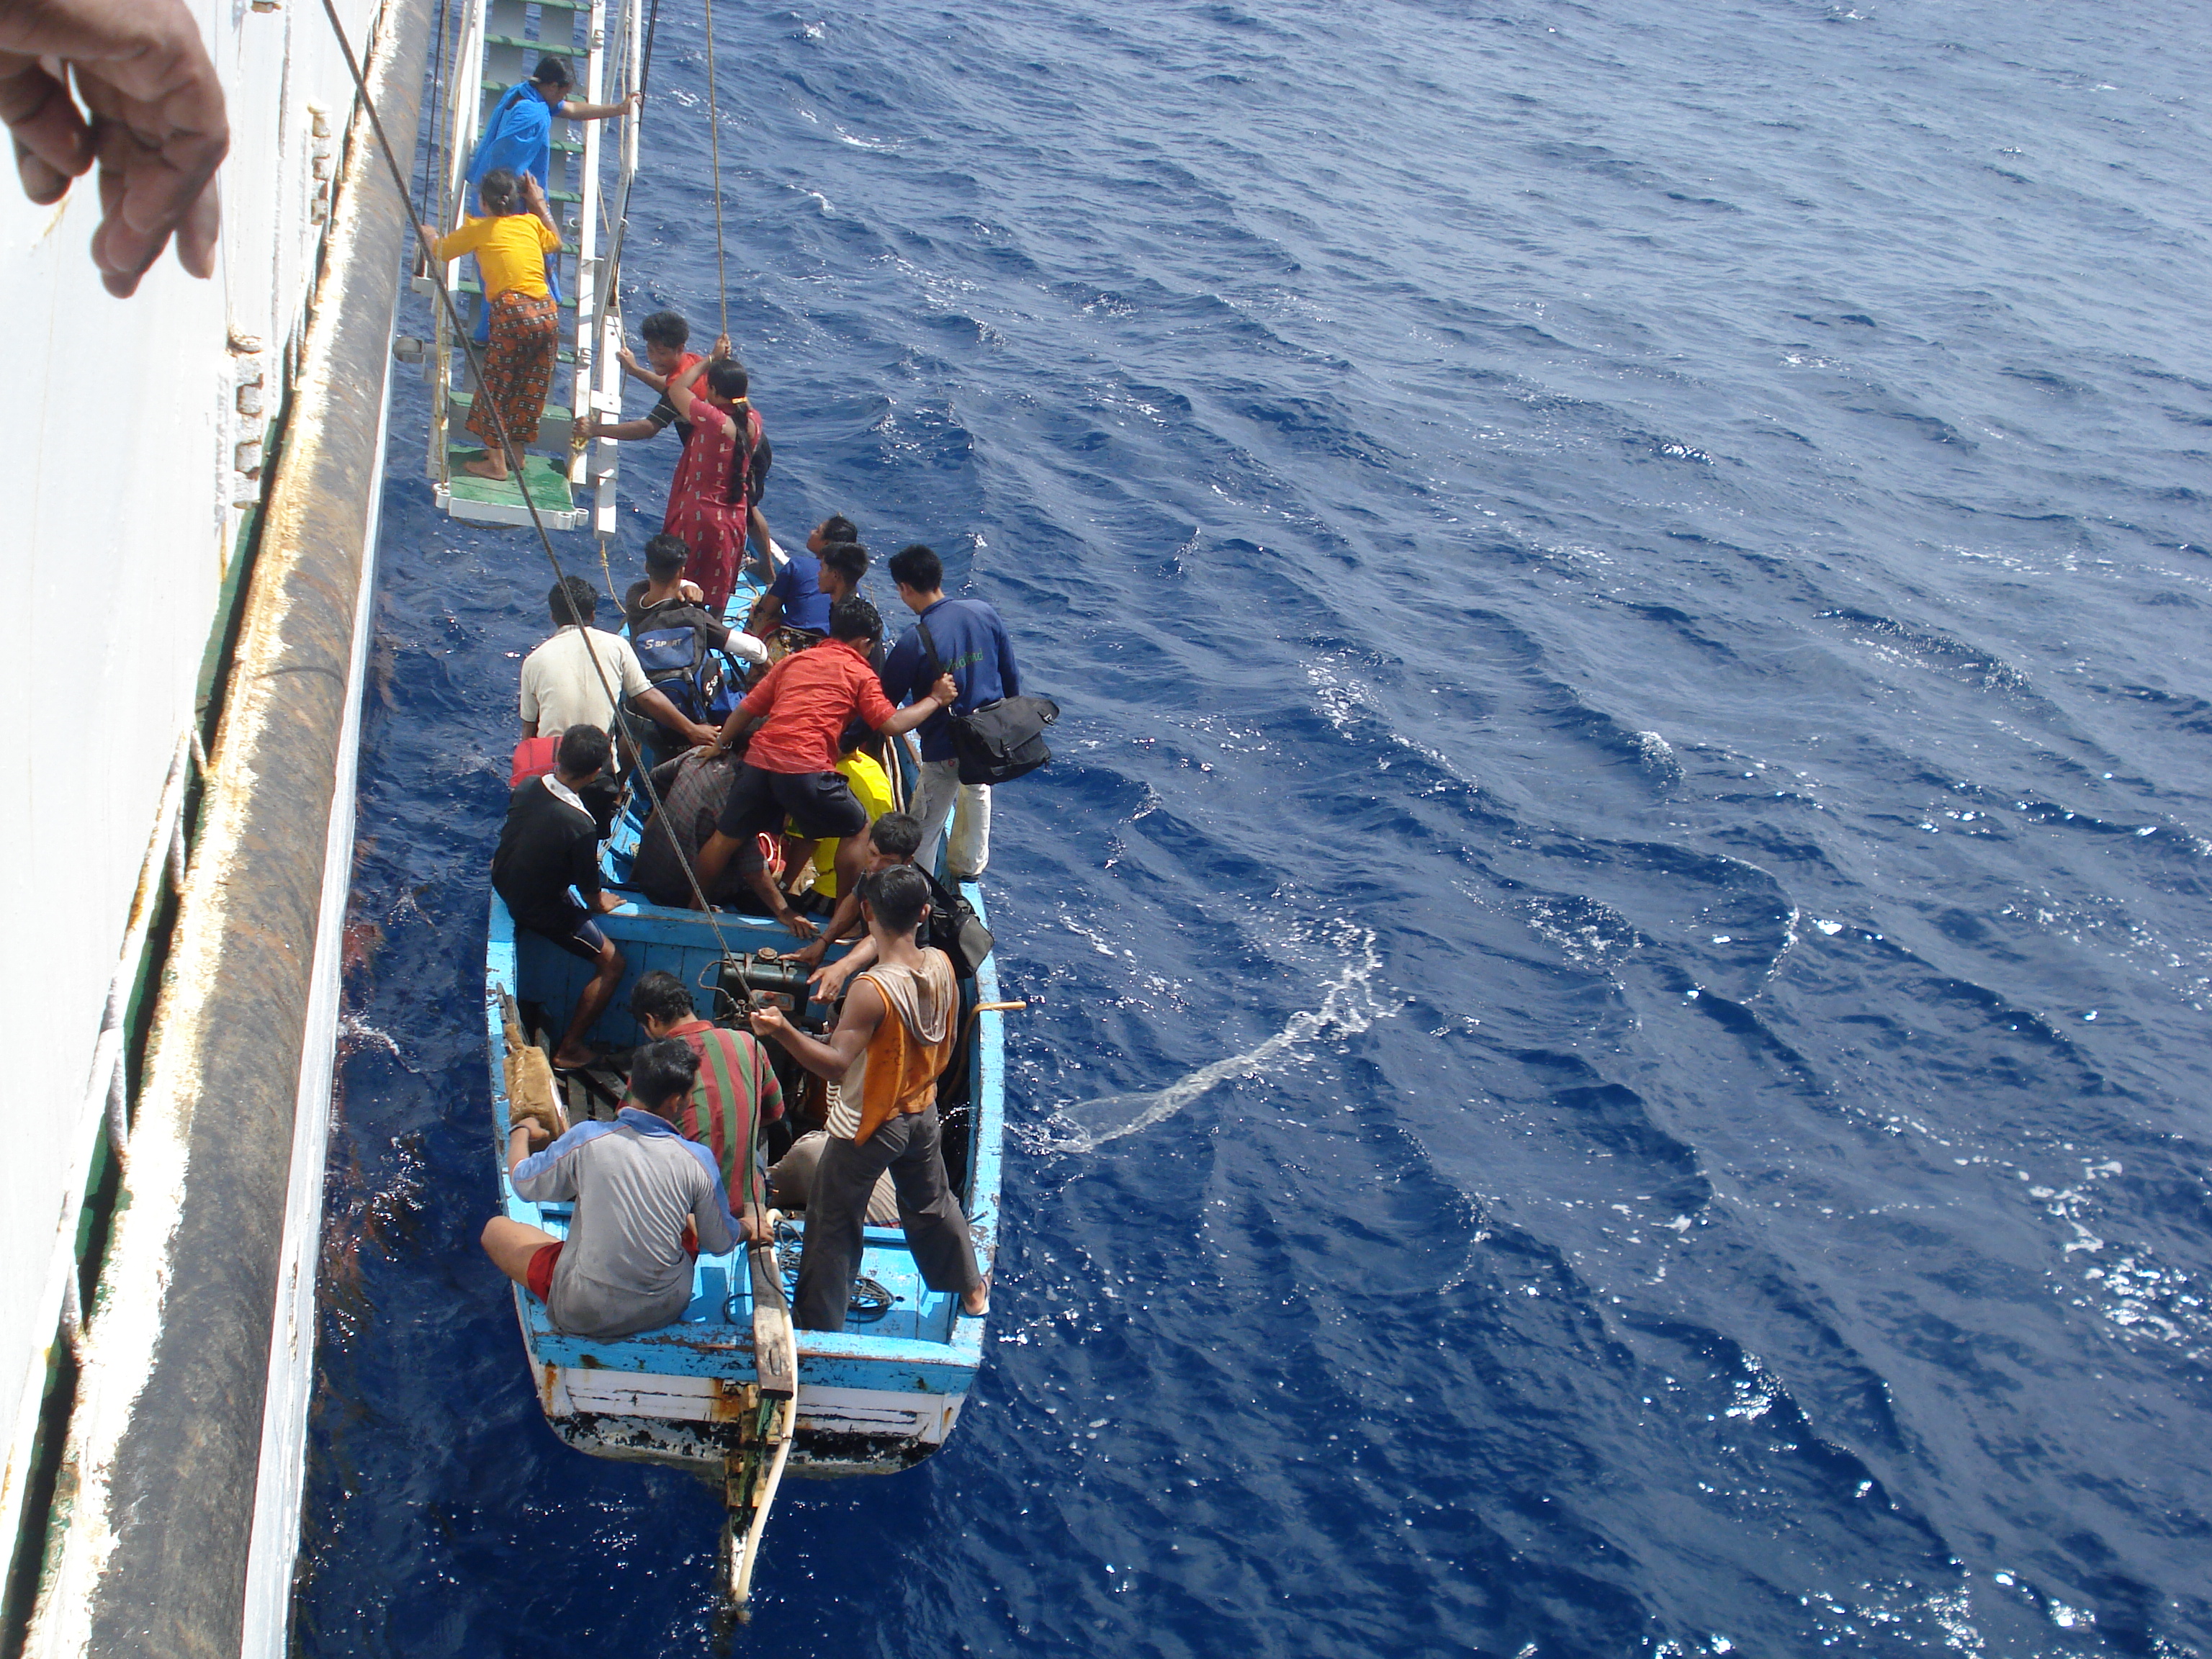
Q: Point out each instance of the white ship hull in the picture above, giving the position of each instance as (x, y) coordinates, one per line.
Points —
(141, 468)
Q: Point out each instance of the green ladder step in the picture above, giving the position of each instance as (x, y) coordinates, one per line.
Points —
(475, 285)
(548, 482)
(543, 48)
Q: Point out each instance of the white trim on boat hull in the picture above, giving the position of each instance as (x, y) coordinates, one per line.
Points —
(692, 1420)
(502, 514)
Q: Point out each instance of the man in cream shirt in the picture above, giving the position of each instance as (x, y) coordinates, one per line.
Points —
(561, 687)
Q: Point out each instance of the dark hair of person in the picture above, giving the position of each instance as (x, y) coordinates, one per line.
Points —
(502, 191)
(572, 601)
(661, 995)
(665, 554)
(666, 328)
(583, 752)
(661, 1074)
(726, 378)
(919, 569)
(854, 618)
(896, 835)
(899, 896)
(552, 72)
(849, 559)
(857, 731)
(837, 528)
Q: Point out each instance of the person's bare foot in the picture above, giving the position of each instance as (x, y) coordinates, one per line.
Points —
(569, 1059)
(489, 467)
(977, 1303)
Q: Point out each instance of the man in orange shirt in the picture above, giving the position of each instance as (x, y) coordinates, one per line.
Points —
(892, 1042)
(799, 708)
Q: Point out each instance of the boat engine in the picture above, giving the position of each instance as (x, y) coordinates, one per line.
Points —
(764, 973)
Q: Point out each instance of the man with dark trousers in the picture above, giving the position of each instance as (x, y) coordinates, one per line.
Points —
(892, 1042)
(550, 843)
(796, 716)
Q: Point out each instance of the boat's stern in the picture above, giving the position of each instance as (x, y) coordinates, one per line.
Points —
(684, 1395)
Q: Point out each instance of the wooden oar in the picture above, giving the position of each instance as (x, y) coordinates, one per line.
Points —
(776, 1360)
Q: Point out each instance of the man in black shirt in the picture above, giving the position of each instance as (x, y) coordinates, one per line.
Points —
(549, 844)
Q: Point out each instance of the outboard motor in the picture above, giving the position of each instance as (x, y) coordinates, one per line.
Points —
(775, 976)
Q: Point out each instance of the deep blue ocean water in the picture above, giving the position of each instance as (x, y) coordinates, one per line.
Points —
(1620, 944)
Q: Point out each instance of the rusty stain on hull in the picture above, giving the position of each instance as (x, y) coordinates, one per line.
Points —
(168, 1437)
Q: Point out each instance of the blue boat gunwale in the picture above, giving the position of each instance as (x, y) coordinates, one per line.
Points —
(826, 1358)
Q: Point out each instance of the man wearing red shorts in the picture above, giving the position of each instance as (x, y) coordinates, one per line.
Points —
(636, 1181)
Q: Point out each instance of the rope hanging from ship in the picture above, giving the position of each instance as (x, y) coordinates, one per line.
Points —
(610, 274)
(714, 148)
(621, 717)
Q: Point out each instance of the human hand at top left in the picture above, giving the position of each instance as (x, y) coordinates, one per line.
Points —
(157, 130)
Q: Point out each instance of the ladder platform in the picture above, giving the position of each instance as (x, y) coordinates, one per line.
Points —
(553, 425)
(481, 501)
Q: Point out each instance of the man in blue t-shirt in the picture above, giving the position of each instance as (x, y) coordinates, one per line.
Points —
(965, 638)
(800, 597)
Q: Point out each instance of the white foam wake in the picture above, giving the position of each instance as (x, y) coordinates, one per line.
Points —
(1349, 1005)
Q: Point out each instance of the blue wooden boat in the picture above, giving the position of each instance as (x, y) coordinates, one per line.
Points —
(875, 1398)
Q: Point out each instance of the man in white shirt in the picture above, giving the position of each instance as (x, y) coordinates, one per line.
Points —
(561, 688)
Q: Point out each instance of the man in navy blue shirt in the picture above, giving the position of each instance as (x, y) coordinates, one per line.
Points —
(966, 640)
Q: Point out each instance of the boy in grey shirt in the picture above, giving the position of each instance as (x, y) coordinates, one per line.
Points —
(625, 1266)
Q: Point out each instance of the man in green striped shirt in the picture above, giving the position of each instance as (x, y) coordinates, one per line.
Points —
(736, 1092)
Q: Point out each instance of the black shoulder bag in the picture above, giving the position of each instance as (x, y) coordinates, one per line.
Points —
(956, 929)
(1000, 740)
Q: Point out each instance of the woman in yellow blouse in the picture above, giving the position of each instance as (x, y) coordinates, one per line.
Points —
(511, 242)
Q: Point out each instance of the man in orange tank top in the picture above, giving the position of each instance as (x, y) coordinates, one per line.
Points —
(893, 1040)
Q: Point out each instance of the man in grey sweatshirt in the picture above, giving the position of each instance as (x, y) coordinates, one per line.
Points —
(636, 1181)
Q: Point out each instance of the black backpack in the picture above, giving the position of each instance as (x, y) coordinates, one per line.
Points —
(956, 929)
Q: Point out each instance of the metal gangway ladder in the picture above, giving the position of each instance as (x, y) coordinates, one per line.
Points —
(499, 42)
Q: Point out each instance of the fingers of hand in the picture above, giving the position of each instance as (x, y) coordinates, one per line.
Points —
(200, 231)
(53, 143)
(148, 189)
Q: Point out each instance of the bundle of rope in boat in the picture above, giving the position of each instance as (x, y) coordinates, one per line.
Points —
(872, 1298)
